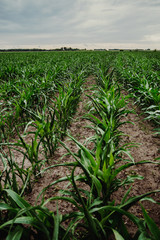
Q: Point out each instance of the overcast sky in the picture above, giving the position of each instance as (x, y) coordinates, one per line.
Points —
(80, 23)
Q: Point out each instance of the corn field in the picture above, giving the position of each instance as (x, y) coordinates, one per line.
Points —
(40, 93)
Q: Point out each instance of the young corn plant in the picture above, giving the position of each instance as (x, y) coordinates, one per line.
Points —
(13, 176)
(100, 221)
(153, 113)
(46, 128)
(104, 77)
(154, 231)
(91, 194)
(138, 77)
(24, 221)
(66, 103)
(29, 151)
(7, 124)
(107, 113)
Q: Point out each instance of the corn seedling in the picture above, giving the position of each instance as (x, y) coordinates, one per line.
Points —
(12, 176)
(26, 221)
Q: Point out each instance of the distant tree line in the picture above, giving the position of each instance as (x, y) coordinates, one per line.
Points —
(40, 50)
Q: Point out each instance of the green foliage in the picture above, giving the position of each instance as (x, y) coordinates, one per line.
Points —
(39, 93)
(13, 176)
(27, 222)
(137, 73)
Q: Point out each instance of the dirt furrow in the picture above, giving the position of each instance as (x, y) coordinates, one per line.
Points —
(142, 133)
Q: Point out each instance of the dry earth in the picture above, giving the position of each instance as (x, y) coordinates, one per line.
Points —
(142, 133)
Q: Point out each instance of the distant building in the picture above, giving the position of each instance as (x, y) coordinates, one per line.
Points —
(139, 49)
(114, 49)
(100, 49)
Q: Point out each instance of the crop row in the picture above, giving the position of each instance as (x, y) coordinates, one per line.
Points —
(140, 74)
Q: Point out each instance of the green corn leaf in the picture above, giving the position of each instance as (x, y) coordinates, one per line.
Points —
(56, 226)
(68, 199)
(51, 184)
(97, 184)
(150, 199)
(15, 184)
(117, 235)
(4, 206)
(93, 119)
(111, 159)
(114, 209)
(4, 162)
(143, 236)
(16, 234)
(87, 173)
(106, 173)
(57, 165)
(20, 220)
(128, 154)
(18, 200)
(151, 225)
(131, 201)
(126, 195)
(127, 165)
(96, 202)
(87, 214)
(86, 151)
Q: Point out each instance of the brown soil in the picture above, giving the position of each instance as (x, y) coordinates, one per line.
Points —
(142, 133)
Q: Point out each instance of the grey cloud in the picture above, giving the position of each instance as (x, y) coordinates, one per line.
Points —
(77, 21)
(32, 16)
